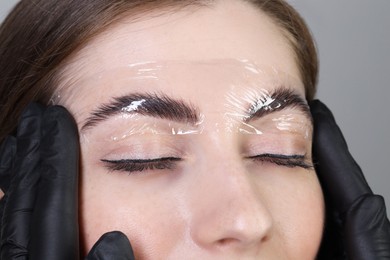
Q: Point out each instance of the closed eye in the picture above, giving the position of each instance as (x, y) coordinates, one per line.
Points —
(169, 163)
(139, 165)
(290, 161)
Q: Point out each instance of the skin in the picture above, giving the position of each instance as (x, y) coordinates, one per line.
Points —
(233, 209)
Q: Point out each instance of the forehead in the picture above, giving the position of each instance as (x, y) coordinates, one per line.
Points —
(101, 69)
(228, 29)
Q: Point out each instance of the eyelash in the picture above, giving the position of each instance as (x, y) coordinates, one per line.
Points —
(169, 163)
(290, 161)
(139, 165)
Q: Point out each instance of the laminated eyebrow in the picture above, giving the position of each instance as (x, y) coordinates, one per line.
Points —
(155, 105)
(279, 99)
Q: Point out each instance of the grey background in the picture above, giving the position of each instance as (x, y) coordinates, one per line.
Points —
(353, 38)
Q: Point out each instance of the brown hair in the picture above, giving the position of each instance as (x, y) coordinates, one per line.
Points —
(38, 36)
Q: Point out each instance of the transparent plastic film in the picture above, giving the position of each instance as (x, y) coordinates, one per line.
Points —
(184, 98)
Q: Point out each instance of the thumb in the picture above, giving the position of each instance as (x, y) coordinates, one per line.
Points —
(112, 245)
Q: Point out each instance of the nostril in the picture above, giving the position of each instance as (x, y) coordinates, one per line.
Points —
(227, 241)
(265, 239)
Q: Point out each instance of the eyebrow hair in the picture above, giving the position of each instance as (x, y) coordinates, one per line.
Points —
(147, 104)
(165, 107)
(280, 99)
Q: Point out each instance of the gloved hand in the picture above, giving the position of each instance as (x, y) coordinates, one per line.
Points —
(356, 223)
(39, 175)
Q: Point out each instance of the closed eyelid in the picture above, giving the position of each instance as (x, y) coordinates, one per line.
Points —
(281, 122)
(142, 160)
(139, 165)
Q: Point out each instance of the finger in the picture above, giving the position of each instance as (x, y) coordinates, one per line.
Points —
(367, 229)
(7, 156)
(340, 176)
(112, 245)
(55, 219)
(21, 194)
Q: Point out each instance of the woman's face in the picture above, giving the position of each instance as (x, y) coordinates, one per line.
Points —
(195, 137)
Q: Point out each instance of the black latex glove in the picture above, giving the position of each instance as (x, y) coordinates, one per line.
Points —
(356, 226)
(39, 175)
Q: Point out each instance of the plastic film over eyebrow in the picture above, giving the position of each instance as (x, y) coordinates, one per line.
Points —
(262, 109)
(200, 97)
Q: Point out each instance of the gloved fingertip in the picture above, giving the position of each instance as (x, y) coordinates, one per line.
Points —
(7, 149)
(59, 144)
(31, 109)
(325, 126)
(7, 156)
(112, 245)
(314, 102)
(317, 108)
(30, 121)
(315, 105)
(57, 112)
(57, 118)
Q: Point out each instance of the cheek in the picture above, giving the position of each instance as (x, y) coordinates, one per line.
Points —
(111, 201)
(296, 203)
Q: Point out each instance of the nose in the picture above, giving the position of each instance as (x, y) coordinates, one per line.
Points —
(229, 212)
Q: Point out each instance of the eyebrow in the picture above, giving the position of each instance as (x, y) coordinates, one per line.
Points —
(280, 99)
(165, 107)
(146, 104)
